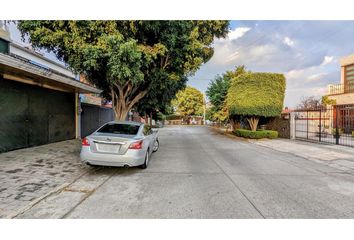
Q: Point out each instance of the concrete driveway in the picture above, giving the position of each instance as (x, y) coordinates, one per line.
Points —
(199, 173)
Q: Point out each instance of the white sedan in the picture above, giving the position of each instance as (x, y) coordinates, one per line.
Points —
(120, 144)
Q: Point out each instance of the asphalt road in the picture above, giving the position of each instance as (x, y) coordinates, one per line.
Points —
(199, 173)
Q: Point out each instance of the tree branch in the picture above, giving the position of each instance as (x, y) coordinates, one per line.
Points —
(137, 98)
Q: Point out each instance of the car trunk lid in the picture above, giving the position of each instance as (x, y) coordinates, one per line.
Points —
(111, 143)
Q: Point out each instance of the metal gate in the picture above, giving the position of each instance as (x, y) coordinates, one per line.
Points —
(32, 116)
(332, 124)
(92, 117)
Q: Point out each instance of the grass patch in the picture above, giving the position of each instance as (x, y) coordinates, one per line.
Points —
(256, 134)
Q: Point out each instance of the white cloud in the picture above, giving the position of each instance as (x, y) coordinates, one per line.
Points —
(237, 33)
(316, 76)
(233, 35)
(233, 56)
(288, 41)
(327, 60)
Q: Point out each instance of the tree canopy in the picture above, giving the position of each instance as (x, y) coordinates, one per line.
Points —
(310, 102)
(255, 95)
(189, 102)
(128, 60)
(217, 89)
(217, 92)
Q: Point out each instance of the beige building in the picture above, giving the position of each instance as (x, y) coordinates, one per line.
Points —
(343, 93)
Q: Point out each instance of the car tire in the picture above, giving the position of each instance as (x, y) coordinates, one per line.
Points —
(156, 145)
(146, 163)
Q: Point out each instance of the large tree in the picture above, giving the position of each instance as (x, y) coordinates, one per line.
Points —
(217, 88)
(128, 59)
(189, 102)
(255, 95)
(217, 92)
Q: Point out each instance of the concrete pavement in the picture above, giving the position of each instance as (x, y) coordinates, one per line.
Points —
(26, 175)
(199, 173)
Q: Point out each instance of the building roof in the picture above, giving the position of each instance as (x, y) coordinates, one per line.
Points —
(15, 68)
(348, 60)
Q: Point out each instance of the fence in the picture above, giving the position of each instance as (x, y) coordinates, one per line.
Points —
(332, 124)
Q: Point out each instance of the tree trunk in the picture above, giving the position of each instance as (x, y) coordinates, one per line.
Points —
(120, 111)
(151, 119)
(233, 124)
(123, 99)
(253, 122)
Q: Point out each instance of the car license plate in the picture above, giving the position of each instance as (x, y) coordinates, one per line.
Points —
(113, 148)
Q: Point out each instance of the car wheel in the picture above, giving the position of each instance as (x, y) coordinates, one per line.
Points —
(156, 145)
(147, 158)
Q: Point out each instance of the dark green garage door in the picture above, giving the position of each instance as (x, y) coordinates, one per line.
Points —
(31, 115)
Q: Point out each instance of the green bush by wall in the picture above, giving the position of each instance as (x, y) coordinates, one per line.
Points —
(256, 94)
(256, 134)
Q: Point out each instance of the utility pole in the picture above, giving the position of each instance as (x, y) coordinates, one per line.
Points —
(204, 108)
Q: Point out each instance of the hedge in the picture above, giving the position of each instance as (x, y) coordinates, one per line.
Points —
(174, 117)
(256, 94)
(256, 134)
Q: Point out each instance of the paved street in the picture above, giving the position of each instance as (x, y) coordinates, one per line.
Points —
(197, 173)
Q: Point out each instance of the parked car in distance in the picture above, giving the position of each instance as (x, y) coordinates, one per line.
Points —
(120, 144)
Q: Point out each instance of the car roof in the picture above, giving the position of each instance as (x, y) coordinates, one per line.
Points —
(128, 122)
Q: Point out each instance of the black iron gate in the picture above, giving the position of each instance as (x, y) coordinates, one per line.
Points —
(93, 116)
(332, 124)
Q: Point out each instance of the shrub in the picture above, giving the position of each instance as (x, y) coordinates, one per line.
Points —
(256, 95)
(340, 131)
(174, 117)
(256, 134)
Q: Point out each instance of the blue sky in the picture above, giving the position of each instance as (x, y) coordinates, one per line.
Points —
(307, 52)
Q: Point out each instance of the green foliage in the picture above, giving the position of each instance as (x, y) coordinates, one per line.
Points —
(217, 89)
(189, 102)
(129, 60)
(174, 117)
(327, 101)
(215, 115)
(256, 94)
(256, 134)
(217, 92)
(334, 131)
(160, 116)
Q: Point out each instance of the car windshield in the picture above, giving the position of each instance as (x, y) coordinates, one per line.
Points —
(118, 128)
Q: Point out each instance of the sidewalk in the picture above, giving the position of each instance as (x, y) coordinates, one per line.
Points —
(28, 174)
(339, 157)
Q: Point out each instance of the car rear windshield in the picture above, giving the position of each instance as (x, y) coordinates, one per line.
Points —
(117, 128)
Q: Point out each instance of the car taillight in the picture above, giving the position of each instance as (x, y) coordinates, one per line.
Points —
(85, 142)
(136, 145)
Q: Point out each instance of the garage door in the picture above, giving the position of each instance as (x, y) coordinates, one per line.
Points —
(32, 115)
(92, 117)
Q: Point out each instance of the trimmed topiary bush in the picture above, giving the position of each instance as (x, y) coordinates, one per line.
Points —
(255, 95)
(256, 134)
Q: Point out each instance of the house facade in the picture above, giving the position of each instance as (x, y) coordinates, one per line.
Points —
(343, 93)
(39, 98)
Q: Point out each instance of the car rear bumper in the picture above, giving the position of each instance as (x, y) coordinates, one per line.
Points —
(131, 158)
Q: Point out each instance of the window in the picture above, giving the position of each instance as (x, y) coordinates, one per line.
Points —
(117, 128)
(4, 46)
(349, 77)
